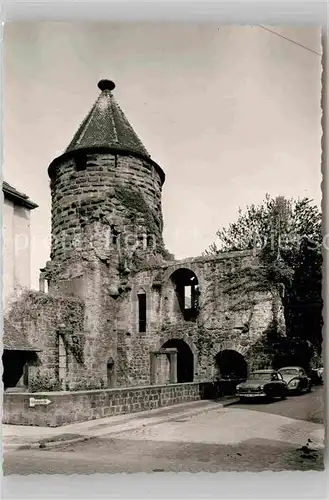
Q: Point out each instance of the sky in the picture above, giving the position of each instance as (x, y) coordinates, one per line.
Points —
(230, 113)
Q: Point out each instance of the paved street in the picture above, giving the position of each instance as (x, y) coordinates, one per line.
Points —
(239, 437)
(308, 407)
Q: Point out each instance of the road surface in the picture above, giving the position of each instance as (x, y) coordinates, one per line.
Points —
(237, 438)
(305, 407)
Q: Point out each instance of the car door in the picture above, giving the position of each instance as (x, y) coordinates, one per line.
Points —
(275, 385)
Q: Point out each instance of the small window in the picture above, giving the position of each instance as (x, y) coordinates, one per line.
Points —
(80, 162)
(142, 312)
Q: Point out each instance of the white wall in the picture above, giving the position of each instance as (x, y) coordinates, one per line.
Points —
(16, 250)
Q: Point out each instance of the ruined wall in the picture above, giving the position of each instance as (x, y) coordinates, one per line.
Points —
(39, 316)
(85, 324)
(234, 312)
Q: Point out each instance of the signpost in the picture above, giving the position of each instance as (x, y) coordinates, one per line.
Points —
(39, 402)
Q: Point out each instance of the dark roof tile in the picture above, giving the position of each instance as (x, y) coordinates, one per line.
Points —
(16, 196)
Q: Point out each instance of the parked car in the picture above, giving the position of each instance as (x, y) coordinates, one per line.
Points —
(296, 379)
(316, 376)
(267, 384)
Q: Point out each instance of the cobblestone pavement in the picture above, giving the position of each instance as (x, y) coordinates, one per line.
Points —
(223, 439)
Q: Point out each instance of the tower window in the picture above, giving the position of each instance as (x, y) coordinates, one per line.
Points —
(142, 312)
(80, 162)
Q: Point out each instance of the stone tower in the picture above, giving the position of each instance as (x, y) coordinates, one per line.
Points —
(106, 191)
(106, 226)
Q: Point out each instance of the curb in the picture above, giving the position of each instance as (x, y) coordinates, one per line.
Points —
(54, 444)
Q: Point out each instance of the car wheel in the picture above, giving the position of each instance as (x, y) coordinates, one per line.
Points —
(283, 395)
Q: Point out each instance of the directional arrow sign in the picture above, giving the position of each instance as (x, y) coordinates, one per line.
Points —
(39, 402)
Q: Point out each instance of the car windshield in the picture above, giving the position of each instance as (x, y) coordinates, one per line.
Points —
(261, 376)
(289, 371)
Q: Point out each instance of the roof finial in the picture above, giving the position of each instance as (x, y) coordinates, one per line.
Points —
(106, 85)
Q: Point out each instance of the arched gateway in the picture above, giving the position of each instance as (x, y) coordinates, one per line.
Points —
(231, 364)
(172, 363)
(185, 361)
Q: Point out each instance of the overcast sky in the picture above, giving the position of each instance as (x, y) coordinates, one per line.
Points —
(230, 114)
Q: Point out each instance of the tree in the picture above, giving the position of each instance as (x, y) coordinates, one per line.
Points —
(287, 235)
(275, 222)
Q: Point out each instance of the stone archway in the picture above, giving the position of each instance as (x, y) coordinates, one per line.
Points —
(185, 359)
(231, 364)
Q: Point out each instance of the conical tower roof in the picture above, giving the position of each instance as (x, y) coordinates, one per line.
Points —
(106, 126)
(104, 129)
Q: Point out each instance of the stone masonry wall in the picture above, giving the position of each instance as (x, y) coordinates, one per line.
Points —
(121, 192)
(79, 406)
(38, 316)
(233, 315)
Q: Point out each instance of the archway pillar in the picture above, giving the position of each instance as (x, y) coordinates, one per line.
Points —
(158, 366)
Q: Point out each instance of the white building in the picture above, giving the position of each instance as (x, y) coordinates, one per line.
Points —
(16, 248)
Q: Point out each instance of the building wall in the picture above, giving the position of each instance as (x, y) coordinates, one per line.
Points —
(231, 316)
(16, 250)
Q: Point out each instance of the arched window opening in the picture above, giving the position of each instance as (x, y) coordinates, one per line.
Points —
(186, 288)
(141, 312)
